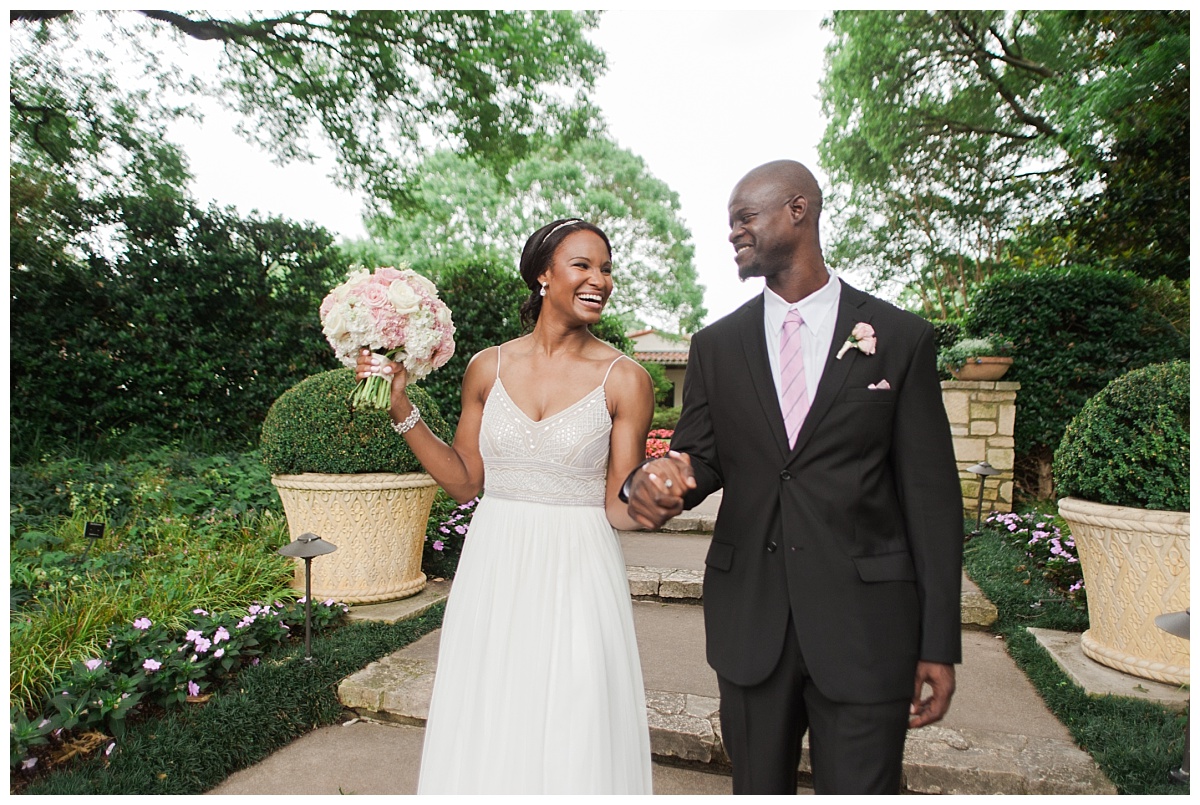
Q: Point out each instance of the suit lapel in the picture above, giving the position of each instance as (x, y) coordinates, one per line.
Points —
(836, 371)
(754, 343)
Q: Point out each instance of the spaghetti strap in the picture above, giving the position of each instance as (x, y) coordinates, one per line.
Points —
(498, 361)
(610, 368)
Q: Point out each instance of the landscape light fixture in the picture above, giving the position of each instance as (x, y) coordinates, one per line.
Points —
(306, 546)
(982, 470)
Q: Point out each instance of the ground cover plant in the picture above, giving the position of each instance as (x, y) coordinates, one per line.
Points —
(1135, 743)
(153, 614)
(189, 749)
(182, 531)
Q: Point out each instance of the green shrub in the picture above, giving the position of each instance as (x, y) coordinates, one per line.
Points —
(310, 428)
(485, 301)
(1075, 329)
(945, 332)
(665, 418)
(194, 320)
(1130, 445)
(662, 386)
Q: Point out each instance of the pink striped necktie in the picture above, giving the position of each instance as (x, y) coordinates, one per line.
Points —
(791, 375)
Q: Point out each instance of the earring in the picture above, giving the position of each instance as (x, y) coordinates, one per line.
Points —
(545, 285)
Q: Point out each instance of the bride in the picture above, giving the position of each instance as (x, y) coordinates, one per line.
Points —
(539, 685)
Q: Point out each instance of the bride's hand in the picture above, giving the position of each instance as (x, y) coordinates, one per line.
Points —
(371, 364)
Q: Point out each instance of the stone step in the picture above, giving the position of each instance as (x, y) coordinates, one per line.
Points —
(673, 585)
(668, 566)
(998, 738)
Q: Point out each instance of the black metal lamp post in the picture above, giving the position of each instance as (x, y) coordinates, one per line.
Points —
(1179, 624)
(306, 546)
(982, 470)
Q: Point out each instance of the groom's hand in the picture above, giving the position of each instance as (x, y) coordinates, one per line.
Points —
(656, 490)
(940, 679)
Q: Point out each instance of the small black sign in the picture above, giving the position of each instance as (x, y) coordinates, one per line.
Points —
(93, 530)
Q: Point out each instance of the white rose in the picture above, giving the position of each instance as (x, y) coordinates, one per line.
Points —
(403, 298)
(334, 325)
(356, 278)
(424, 282)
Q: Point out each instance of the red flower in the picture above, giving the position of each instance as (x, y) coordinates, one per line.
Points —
(658, 442)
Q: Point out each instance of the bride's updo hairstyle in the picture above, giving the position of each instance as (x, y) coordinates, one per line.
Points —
(537, 256)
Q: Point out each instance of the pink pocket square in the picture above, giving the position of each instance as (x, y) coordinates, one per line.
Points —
(882, 385)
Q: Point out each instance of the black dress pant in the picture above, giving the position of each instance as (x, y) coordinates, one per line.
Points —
(854, 748)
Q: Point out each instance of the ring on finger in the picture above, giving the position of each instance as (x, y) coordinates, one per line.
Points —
(668, 483)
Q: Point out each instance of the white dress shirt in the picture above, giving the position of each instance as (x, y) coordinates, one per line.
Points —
(819, 312)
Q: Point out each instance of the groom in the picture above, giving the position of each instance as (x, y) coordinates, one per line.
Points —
(831, 594)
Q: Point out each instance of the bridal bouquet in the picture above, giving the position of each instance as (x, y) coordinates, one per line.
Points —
(394, 311)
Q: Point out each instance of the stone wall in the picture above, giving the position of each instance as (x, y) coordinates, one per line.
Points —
(982, 415)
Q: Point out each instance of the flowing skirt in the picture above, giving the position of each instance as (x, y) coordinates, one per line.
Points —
(539, 686)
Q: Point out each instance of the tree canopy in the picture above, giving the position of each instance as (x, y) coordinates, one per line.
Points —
(460, 211)
(963, 141)
(380, 86)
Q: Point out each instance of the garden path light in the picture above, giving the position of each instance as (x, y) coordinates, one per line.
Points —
(306, 546)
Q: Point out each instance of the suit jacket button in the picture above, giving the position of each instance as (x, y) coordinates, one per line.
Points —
(771, 546)
(785, 475)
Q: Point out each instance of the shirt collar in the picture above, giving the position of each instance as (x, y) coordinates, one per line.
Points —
(814, 308)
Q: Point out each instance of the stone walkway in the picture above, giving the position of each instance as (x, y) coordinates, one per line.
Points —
(998, 738)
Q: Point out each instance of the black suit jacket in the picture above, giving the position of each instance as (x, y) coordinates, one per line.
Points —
(857, 531)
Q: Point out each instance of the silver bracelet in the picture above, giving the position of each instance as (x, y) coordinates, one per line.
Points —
(409, 423)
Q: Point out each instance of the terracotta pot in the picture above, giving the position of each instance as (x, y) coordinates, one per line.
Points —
(377, 521)
(1135, 567)
(982, 368)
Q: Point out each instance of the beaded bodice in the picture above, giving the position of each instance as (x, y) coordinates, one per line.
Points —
(562, 459)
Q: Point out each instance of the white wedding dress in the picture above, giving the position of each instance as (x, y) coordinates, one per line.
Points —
(539, 686)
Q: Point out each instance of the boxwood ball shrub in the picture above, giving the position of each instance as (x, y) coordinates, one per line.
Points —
(1130, 444)
(311, 428)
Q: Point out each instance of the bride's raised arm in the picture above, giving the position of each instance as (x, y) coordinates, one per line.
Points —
(457, 468)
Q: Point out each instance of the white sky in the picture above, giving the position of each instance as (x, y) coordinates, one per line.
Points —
(701, 96)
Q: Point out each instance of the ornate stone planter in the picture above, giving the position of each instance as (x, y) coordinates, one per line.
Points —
(982, 368)
(376, 520)
(1135, 566)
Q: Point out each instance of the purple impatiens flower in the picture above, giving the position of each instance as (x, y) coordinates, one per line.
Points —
(151, 665)
(142, 623)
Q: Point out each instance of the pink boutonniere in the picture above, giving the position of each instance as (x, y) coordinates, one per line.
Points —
(862, 338)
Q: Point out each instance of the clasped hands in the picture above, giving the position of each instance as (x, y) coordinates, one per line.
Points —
(656, 490)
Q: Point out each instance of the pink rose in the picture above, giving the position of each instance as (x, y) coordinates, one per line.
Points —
(864, 334)
(862, 338)
(374, 294)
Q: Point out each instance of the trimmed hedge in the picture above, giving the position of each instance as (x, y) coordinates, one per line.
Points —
(1131, 443)
(1074, 330)
(311, 428)
(191, 323)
